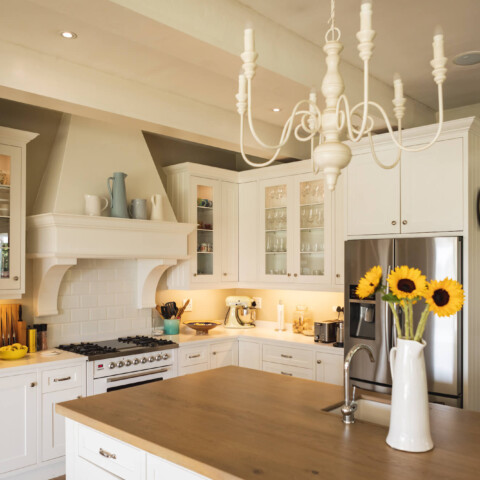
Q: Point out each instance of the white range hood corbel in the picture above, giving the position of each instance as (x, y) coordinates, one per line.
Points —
(55, 242)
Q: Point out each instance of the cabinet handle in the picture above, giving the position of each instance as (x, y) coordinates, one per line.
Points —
(394, 222)
(338, 275)
(295, 275)
(194, 356)
(289, 274)
(64, 379)
(106, 454)
(319, 362)
(194, 274)
(286, 373)
(33, 384)
(224, 274)
(15, 278)
(214, 353)
(285, 356)
(78, 398)
(404, 222)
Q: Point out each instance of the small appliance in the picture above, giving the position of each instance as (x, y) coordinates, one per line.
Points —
(325, 331)
(241, 312)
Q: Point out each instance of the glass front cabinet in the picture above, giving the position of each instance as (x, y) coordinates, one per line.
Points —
(12, 211)
(296, 230)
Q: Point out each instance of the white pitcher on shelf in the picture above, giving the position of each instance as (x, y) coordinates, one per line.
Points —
(157, 207)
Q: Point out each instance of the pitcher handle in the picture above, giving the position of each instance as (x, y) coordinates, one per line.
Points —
(153, 200)
(106, 204)
(393, 357)
(110, 188)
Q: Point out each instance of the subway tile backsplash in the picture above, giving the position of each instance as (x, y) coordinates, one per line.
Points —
(97, 301)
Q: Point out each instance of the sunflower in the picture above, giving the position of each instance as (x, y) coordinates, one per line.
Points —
(369, 283)
(407, 283)
(445, 298)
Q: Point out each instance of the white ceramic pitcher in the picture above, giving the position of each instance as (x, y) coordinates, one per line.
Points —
(93, 205)
(409, 418)
(157, 207)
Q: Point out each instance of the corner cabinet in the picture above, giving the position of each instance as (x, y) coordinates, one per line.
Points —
(12, 211)
(207, 197)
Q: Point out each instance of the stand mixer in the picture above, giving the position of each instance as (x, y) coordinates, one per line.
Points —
(241, 312)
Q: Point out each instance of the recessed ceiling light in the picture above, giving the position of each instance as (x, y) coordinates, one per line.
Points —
(276, 109)
(68, 35)
(467, 58)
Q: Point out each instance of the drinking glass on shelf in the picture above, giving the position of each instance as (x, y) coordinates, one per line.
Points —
(310, 217)
(303, 217)
(270, 217)
(282, 245)
(283, 219)
(269, 243)
(305, 192)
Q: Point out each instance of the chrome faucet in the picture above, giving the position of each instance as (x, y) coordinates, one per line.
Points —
(348, 410)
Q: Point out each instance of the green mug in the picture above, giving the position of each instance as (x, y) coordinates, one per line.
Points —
(171, 326)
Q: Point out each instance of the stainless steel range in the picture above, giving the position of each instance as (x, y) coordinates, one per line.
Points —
(126, 362)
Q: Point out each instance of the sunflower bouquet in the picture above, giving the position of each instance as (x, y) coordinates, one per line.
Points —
(405, 287)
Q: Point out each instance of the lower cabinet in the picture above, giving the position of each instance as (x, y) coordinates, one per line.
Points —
(53, 425)
(160, 469)
(329, 368)
(250, 354)
(18, 404)
(289, 370)
(224, 354)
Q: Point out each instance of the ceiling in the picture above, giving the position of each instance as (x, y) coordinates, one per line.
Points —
(403, 42)
(136, 47)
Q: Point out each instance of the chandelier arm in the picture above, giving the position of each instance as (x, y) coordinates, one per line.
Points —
(245, 158)
(399, 151)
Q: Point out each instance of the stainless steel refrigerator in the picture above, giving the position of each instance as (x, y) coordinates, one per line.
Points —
(369, 320)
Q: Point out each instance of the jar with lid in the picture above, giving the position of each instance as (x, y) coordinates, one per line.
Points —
(303, 320)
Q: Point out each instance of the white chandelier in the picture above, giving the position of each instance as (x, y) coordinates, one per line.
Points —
(331, 155)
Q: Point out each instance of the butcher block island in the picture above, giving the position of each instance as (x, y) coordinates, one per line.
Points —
(237, 423)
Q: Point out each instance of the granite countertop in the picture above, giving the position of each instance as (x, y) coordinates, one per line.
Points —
(40, 359)
(232, 423)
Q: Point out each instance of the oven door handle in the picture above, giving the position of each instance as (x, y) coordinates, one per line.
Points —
(145, 373)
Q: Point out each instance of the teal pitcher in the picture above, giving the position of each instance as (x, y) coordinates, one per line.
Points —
(118, 195)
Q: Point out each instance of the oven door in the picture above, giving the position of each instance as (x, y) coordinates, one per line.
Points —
(118, 382)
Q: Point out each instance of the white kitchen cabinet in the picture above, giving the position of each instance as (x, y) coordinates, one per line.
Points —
(160, 469)
(297, 357)
(18, 404)
(373, 195)
(224, 354)
(12, 211)
(53, 425)
(250, 354)
(207, 197)
(432, 188)
(329, 368)
(289, 370)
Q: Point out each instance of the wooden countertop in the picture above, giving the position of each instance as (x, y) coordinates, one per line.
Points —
(234, 422)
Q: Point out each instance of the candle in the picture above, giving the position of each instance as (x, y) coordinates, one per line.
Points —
(242, 85)
(313, 98)
(398, 87)
(366, 15)
(438, 53)
(249, 40)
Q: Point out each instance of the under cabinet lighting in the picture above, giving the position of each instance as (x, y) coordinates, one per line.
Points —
(68, 35)
(276, 109)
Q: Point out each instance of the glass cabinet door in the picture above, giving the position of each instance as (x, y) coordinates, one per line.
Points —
(10, 213)
(313, 230)
(206, 243)
(275, 243)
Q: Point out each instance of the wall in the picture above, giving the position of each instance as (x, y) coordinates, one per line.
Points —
(462, 112)
(210, 304)
(97, 301)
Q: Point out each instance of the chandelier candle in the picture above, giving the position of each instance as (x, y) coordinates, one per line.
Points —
(327, 128)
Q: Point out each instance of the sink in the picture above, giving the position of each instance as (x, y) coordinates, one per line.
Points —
(367, 411)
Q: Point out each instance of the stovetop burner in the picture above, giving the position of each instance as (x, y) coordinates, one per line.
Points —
(144, 341)
(121, 346)
(88, 348)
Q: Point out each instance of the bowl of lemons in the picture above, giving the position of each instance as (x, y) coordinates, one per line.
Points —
(13, 352)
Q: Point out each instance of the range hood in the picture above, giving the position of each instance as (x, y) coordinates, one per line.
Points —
(85, 153)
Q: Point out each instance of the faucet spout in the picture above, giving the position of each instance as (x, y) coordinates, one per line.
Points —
(348, 410)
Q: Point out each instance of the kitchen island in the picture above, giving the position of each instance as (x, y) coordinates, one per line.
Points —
(236, 423)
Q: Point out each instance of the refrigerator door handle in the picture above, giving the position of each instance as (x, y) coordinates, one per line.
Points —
(387, 320)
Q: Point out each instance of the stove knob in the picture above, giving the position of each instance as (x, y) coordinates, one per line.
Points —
(165, 356)
(120, 364)
(158, 358)
(144, 360)
(128, 363)
(136, 361)
(112, 365)
(151, 359)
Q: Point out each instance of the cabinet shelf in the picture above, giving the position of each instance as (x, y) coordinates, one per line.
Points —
(312, 253)
(205, 252)
(4, 187)
(204, 229)
(320, 204)
(274, 231)
(312, 228)
(275, 208)
(204, 208)
(276, 253)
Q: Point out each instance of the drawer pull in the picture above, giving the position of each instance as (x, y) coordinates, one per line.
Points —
(33, 384)
(194, 356)
(285, 356)
(286, 373)
(106, 454)
(319, 362)
(214, 353)
(64, 379)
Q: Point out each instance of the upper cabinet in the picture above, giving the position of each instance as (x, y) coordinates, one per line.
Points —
(425, 193)
(207, 197)
(12, 211)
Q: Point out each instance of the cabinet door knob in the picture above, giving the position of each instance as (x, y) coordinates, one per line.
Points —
(394, 222)
(214, 353)
(33, 384)
(289, 274)
(15, 278)
(319, 362)
(224, 274)
(404, 222)
(194, 274)
(295, 275)
(338, 275)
